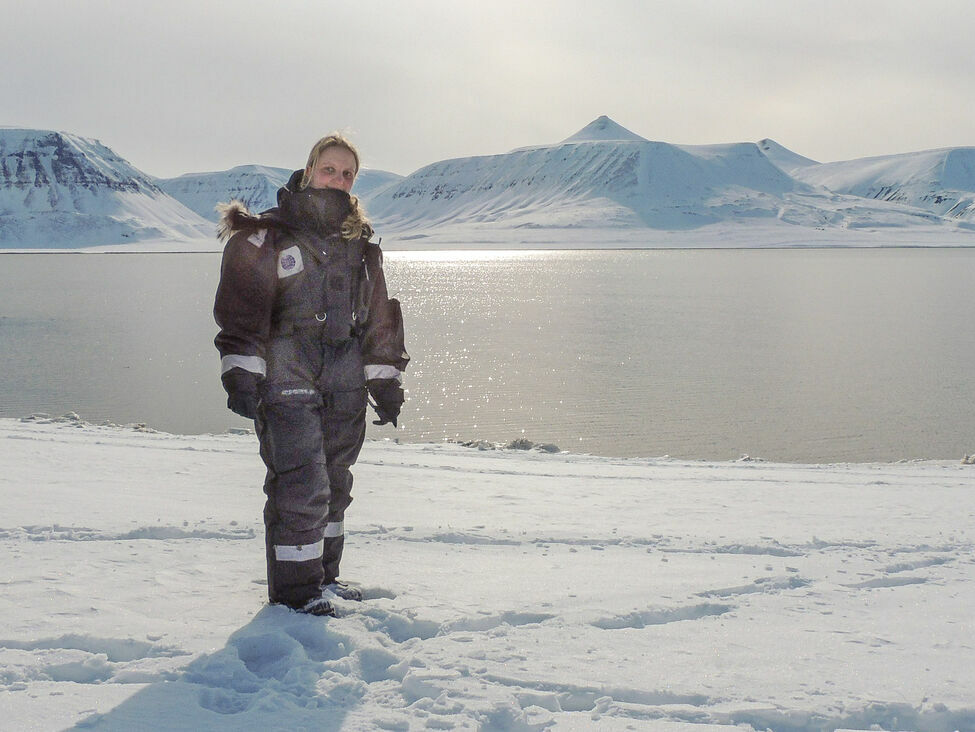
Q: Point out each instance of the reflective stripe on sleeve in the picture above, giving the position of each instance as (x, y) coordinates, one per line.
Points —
(334, 529)
(299, 553)
(254, 364)
(379, 371)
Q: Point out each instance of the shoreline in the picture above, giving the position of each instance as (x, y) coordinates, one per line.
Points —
(514, 448)
(729, 235)
(460, 249)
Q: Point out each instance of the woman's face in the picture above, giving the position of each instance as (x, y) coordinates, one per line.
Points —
(335, 168)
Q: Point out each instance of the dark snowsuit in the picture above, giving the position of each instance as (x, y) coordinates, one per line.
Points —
(308, 310)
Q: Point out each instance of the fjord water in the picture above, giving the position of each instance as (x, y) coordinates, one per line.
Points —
(790, 355)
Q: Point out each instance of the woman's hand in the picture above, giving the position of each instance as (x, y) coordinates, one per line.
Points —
(389, 399)
(241, 388)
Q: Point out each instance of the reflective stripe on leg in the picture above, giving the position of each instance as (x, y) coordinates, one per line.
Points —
(300, 552)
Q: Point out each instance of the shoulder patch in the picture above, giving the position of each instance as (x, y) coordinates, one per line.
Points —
(257, 238)
(290, 262)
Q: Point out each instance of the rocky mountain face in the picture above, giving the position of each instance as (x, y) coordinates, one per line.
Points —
(61, 190)
(56, 163)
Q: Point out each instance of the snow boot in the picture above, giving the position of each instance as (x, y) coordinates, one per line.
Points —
(317, 606)
(343, 590)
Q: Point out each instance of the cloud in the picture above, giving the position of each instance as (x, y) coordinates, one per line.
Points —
(182, 86)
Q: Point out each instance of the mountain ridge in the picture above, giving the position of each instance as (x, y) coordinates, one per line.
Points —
(592, 180)
(604, 183)
(256, 186)
(940, 180)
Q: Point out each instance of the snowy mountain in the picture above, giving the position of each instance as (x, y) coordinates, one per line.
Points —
(939, 181)
(602, 186)
(61, 190)
(370, 182)
(586, 181)
(607, 178)
(255, 185)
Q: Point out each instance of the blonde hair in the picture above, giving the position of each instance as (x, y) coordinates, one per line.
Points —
(356, 224)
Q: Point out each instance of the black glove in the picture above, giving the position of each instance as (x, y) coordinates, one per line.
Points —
(241, 389)
(389, 399)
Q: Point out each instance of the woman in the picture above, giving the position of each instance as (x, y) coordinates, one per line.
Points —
(306, 329)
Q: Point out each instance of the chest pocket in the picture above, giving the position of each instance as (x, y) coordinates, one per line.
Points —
(318, 289)
(341, 283)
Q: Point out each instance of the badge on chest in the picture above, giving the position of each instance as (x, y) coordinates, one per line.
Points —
(290, 262)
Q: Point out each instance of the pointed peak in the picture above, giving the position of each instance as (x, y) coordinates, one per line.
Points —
(603, 129)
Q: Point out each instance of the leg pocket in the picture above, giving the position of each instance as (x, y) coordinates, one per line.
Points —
(292, 425)
(344, 426)
(346, 406)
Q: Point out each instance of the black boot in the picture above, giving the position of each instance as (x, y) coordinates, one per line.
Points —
(343, 590)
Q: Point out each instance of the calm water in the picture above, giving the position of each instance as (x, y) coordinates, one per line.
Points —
(793, 355)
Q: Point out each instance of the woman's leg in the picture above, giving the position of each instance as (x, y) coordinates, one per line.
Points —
(298, 493)
(344, 428)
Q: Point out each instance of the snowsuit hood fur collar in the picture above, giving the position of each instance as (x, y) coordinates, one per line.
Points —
(319, 210)
(235, 217)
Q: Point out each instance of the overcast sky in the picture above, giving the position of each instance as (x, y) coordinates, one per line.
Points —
(177, 86)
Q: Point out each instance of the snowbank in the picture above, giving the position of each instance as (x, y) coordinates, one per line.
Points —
(505, 590)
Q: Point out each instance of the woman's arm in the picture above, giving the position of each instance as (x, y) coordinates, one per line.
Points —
(242, 307)
(383, 342)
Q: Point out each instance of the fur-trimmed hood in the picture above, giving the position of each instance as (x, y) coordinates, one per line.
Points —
(323, 211)
(235, 217)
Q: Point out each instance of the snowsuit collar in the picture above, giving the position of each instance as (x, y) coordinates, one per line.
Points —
(319, 212)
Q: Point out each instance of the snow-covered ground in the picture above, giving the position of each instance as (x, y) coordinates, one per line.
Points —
(506, 590)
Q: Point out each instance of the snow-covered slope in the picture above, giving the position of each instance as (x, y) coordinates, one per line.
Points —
(589, 181)
(255, 185)
(783, 157)
(604, 185)
(940, 181)
(61, 190)
(369, 182)
(608, 178)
